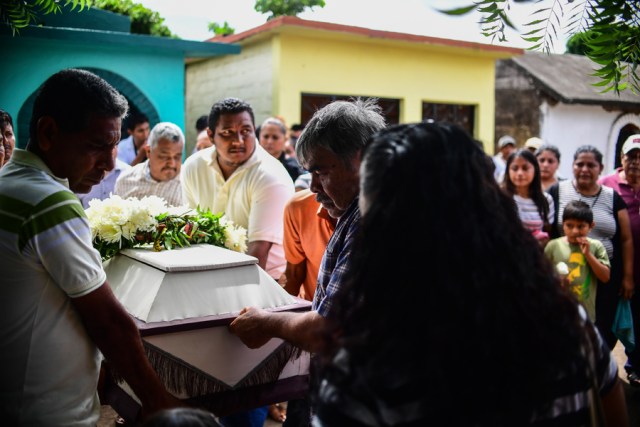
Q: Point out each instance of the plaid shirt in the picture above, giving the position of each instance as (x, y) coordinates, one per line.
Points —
(337, 259)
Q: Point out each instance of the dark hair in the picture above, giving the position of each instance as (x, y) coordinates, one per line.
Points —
(274, 121)
(577, 210)
(136, 119)
(296, 127)
(479, 293)
(5, 119)
(71, 97)
(588, 149)
(342, 127)
(535, 188)
(182, 417)
(201, 123)
(548, 147)
(229, 106)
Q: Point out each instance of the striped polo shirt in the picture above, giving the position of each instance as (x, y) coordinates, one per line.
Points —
(48, 364)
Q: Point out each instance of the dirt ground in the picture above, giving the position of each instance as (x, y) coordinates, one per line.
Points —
(631, 393)
(108, 415)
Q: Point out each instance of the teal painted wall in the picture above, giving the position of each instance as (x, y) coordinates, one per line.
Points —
(28, 62)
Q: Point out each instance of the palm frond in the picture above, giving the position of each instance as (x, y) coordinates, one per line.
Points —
(611, 27)
(18, 14)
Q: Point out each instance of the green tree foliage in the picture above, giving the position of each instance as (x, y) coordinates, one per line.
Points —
(19, 14)
(143, 20)
(611, 29)
(221, 30)
(285, 7)
(577, 43)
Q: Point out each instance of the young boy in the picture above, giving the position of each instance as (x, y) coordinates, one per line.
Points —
(586, 257)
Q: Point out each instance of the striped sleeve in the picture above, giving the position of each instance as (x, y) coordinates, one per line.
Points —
(56, 235)
(50, 212)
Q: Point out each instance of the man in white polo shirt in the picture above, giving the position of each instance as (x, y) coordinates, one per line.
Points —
(58, 311)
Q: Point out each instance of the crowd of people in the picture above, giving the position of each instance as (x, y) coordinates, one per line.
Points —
(332, 211)
(608, 241)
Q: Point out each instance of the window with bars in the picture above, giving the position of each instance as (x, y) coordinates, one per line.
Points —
(313, 102)
(462, 115)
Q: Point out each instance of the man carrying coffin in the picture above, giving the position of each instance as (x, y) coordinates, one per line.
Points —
(58, 311)
(329, 148)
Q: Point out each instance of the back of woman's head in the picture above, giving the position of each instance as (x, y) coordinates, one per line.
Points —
(419, 162)
(442, 257)
(432, 183)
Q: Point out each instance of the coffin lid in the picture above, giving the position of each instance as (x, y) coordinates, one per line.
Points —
(197, 258)
(190, 283)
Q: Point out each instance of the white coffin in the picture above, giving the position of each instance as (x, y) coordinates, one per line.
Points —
(183, 301)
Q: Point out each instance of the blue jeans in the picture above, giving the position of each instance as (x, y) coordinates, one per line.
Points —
(251, 418)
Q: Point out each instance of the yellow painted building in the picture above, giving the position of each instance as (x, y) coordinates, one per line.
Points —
(289, 67)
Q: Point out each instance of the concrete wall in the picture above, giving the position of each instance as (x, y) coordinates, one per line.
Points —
(523, 111)
(401, 70)
(517, 104)
(570, 126)
(274, 69)
(248, 76)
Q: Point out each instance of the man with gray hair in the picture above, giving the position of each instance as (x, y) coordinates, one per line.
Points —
(159, 175)
(329, 148)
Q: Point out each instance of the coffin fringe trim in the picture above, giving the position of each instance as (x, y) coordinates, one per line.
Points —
(184, 378)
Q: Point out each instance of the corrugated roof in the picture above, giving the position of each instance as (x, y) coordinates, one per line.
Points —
(569, 79)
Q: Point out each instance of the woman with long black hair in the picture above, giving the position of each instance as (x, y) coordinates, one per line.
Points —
(471, 329)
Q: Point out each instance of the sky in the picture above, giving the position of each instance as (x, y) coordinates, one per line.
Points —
(189, 19)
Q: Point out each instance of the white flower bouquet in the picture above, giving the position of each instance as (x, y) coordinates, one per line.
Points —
(118, 223)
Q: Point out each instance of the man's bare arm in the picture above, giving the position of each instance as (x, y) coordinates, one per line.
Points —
(255, 327)
(259, 249)
(116, 335)
(295, 274)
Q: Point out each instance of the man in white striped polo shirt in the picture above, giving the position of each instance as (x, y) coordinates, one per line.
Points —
(58, 311)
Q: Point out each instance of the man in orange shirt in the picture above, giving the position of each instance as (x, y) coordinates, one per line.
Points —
(307, 229)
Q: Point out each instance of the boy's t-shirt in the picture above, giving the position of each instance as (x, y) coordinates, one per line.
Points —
(560, 250)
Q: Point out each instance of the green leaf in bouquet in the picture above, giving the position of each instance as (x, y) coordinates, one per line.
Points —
(167, 230)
